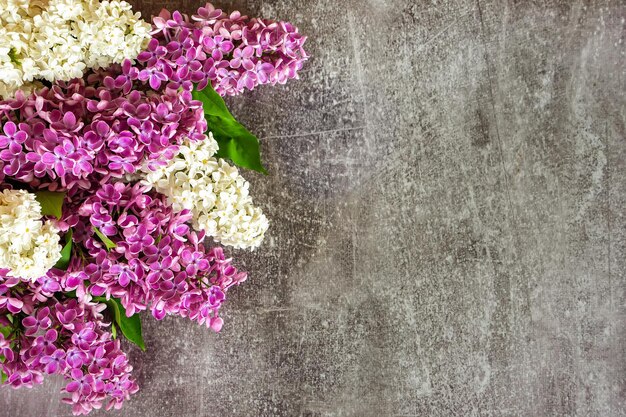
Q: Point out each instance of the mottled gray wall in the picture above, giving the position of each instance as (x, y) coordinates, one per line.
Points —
(447, 194)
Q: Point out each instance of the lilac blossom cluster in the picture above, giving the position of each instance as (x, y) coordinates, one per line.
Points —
(90, 131)
(43, 333)
(158, 262)
(232, 52)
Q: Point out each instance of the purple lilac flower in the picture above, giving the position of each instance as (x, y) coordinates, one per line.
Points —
(86, 132)
(158, 262)
(51, 334)
(232, 52)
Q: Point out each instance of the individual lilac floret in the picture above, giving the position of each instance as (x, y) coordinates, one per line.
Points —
(232, 52)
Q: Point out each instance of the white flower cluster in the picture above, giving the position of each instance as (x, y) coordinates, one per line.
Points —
(60, 39)
(213, 191)
(28, 246)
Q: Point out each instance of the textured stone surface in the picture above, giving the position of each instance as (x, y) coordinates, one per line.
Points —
(447, 194)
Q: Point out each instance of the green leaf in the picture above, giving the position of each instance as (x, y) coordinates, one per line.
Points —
(235, 141)
(212, 102)
(107, 242)
(130, 326)
(13, 56)
(7, 330)
(66, 252)
(3, 377)
(51, 203)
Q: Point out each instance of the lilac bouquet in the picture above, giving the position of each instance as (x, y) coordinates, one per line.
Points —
(115, 166)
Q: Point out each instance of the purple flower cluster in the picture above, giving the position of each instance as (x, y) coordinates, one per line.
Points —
(42, 334)
(232, 52)
(87, 132)
(158, 262)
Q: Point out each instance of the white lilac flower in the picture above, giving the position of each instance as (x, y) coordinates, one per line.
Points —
(29, 247)
(213, 191)
(60, 39)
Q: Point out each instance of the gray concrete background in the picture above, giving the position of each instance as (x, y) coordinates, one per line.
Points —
(447, 194)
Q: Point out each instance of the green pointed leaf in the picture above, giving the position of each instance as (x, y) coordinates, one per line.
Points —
(3, 377)
(51, 203)
(130, 326)
(66, 252)
(5, 331)
(235, 141)
(212, 103)
(107, 242)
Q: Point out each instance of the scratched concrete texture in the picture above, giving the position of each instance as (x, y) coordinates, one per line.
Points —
(447, 194)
